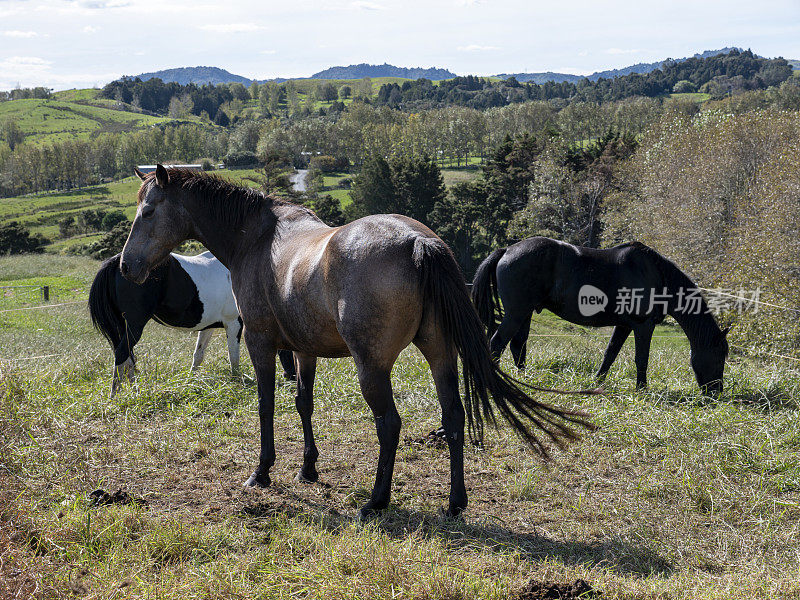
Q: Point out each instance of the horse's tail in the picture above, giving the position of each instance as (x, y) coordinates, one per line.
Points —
(484, 291)
(103, 308)
(486, 387)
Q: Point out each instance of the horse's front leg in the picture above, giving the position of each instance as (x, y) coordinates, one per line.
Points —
(642, 335)
(307, 368)
(203, 337)
(233, 332)
(262, 354)
(618, 337)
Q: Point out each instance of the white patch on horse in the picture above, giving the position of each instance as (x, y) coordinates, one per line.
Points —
(213, 282)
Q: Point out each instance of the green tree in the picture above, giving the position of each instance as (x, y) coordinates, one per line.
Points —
(373, 190)
(328, 209)
(458, 219)
(15, 238)
(12, 133)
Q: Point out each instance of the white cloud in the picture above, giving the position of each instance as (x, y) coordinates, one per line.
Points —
(363, 5)
(468, 2)
(622, 51)
(231, 27)
(20, 34)
(268, 52)
(90, 29)
(23, 70)
(477, 48)
(358, 5)
(103, 3)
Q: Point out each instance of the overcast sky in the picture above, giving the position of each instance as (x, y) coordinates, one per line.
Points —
(82, 43)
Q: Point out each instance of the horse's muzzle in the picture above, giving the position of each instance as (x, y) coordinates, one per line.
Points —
(134, 271)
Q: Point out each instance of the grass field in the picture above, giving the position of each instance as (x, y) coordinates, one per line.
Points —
(676, 496)
(69, 115)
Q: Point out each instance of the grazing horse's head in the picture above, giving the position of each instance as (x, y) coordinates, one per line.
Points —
(161, 224)
(708, 363)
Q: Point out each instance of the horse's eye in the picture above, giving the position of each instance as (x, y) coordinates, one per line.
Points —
(147, 212)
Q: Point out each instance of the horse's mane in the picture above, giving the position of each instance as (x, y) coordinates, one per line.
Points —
(229, 202)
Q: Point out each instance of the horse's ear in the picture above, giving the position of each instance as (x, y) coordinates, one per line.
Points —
(139, 174)
(726, 330)
(162, 177)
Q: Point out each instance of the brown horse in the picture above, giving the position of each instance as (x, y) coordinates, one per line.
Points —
(367, 290)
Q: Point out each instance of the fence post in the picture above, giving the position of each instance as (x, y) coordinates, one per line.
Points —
(46, 293)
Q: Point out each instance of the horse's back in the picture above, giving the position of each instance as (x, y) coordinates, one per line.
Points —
(539, 273)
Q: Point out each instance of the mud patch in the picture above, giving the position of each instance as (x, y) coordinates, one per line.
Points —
(537, 590)
(435, 439)
(103, 498)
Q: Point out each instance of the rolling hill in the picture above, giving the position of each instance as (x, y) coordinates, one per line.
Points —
(74, 114)
(198, 75)
(385, 70)
(608, 74)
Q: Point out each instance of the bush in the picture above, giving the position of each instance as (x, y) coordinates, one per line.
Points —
(15, 238)
(684, 86)
(243, 159)
(108, 245)
(207, 164)
(112, 219)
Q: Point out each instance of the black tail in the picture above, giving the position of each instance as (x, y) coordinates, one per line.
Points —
(445, 292)
(103, 308)
(484, 292)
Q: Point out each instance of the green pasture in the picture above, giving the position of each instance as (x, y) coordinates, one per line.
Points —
(675, 496)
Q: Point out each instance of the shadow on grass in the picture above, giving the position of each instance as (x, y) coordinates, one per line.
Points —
(765, 399)
(400, 523)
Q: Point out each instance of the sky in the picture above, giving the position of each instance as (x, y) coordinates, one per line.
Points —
(64, 44)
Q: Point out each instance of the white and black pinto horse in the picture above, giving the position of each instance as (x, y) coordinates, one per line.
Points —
(185, 292)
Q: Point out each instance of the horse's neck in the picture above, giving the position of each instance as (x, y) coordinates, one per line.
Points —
(700, 328)
(226, 239)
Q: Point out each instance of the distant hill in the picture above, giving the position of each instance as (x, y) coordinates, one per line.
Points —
(795, 64)
(198, 75)
(384, 70)
(641, 68)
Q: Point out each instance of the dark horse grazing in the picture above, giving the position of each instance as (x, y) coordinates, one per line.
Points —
(185, 292)
(630, 286)
(366, 289)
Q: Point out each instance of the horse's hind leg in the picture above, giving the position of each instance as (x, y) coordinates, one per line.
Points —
(305, 407)
(444, 367)
(618, 337)
(519, 343)
(203, 337)
(508, 328)
(643, 334)
(376, 386)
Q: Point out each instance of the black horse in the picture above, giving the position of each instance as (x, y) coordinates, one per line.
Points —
(185, 292)
(630, 286)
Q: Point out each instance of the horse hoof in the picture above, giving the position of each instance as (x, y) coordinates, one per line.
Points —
(367, 514)
(306, 476)
(454, 513)
(257, 481)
